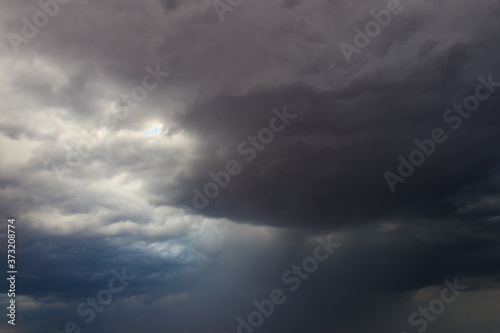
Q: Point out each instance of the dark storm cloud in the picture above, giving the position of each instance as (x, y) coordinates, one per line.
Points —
(198, 271)
(347, 136)
(327, 166)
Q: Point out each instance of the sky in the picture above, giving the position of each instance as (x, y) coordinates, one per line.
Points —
(251, 165)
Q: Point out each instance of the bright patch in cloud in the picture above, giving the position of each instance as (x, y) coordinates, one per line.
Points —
(152, 131)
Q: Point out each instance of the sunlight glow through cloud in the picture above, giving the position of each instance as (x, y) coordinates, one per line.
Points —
(152, 131)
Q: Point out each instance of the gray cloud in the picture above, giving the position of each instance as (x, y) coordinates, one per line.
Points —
(122, 198)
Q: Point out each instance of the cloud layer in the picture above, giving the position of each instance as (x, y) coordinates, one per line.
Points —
(93, 193)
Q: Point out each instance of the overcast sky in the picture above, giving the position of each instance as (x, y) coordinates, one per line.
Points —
(190, 157)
